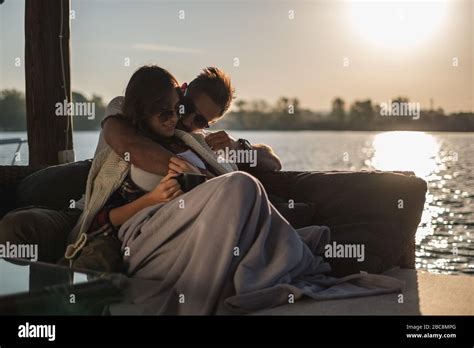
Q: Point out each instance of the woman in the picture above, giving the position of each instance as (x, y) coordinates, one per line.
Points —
(220, 247)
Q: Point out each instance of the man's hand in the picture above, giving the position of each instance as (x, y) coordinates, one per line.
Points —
(267, 160)
(178, 165)
(220, 140)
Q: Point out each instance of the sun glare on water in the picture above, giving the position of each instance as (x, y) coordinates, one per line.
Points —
(411, 151)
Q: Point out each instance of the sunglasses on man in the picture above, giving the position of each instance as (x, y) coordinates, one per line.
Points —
(187, 107)
(199, 120)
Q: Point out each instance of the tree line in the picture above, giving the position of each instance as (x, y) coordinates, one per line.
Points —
(285, 114)
(13, 111)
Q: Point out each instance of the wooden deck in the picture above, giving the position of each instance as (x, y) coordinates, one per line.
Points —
(424, 294)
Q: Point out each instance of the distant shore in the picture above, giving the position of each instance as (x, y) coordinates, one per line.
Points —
(398, 114)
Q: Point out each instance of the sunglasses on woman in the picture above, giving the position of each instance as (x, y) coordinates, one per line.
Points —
(166, 114)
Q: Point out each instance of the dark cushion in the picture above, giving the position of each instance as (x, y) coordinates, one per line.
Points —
(298, 215)
(54, 187)
(10, 177)
(360, 208)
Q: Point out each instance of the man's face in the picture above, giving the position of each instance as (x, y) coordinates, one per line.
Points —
(205, 107)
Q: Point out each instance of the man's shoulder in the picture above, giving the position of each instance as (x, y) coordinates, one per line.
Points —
(115, 106)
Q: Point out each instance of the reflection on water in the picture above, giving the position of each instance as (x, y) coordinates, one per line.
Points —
(443, 238)
(412, 151)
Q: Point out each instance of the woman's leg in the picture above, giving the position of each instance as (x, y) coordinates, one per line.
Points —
(45, 228)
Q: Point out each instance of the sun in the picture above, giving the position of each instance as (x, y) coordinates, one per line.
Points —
(396, 24)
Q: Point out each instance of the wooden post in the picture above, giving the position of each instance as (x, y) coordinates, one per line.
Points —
(47, 79)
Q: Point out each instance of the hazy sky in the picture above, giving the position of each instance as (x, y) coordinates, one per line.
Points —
(391, 48)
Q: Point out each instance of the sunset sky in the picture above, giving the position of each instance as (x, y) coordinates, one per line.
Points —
(392, 47)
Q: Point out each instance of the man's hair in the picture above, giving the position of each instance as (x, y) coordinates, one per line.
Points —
(216, 84)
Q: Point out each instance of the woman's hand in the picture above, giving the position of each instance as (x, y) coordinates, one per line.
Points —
(178, 165)
(166, 190)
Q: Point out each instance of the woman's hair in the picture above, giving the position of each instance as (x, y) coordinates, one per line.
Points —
(147, 92)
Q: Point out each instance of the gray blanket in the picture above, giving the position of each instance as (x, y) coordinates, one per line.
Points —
(223, 248)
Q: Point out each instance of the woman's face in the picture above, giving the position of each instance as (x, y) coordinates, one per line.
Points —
(164, 123)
